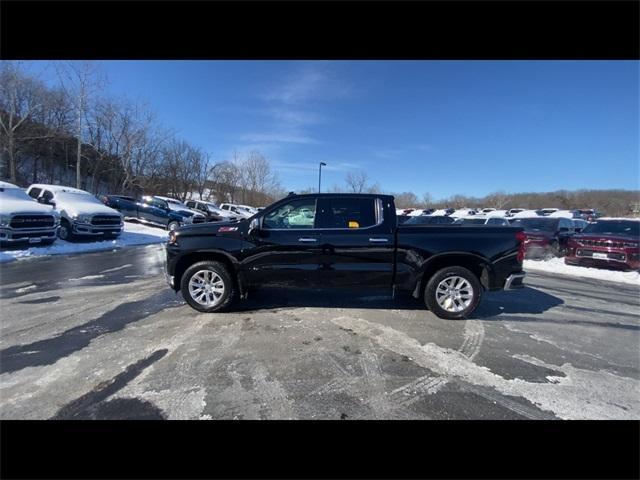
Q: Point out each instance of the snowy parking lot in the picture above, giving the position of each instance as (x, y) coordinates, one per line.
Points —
(99, 335)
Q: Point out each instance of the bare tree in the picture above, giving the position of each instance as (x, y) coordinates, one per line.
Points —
(357, 181)
(406, 200)
(498, 199)
(20, 99)
(80, 80)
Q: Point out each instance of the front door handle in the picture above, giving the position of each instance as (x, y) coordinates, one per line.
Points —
(307, 239)
(379, 240)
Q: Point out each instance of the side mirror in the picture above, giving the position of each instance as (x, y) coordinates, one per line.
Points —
(254, 226)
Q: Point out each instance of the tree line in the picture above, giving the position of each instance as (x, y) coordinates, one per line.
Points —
(73, 134)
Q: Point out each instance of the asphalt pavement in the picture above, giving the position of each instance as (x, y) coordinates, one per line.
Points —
(100, 336)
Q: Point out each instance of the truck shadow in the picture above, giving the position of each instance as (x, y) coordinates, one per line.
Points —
(525, 301)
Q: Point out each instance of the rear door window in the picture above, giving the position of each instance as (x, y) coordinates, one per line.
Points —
(35, 192)
(350, 213)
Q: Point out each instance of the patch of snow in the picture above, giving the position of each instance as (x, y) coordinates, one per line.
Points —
(133, 234)
(557, 265)
(526, 214)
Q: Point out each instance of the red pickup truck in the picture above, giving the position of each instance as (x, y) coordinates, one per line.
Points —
(609, 243)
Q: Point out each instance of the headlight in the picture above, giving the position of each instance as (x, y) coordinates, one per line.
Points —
(188, 219)
(82, 218)
(4, 220)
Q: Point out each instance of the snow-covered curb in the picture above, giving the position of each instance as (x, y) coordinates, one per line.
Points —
(133, 234)
(557, 265)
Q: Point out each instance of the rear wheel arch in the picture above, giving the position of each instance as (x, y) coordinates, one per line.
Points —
(479, 266)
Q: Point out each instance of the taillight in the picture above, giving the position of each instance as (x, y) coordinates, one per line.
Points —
(520, 236)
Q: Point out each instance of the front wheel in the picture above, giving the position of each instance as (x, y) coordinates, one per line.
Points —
(208, 287)
(65, 232)
(453, 293)
(174, 225)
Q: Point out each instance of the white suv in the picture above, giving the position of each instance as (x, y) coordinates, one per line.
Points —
(81, 214)
(22, 220)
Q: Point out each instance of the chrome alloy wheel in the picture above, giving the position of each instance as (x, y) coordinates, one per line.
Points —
(206, 287)
(454, 294)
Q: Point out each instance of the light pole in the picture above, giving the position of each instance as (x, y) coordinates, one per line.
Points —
(320, 174)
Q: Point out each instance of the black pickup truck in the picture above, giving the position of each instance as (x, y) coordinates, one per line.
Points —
(343, 240)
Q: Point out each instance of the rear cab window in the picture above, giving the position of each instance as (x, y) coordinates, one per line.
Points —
(35, 192)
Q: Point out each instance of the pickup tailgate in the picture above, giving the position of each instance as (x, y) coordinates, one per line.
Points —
(496, 248)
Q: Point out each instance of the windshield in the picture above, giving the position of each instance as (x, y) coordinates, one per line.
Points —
(536, 224)
(614, 227)
(15, 193)
(76, 197)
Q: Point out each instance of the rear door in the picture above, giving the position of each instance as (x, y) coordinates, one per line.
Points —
(357, 244)
(287, 247)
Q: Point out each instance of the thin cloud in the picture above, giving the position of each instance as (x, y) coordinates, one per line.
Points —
(275, 137)
(312, 82)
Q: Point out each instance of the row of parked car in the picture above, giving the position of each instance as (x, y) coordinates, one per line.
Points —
(603, 242)
(42, 213)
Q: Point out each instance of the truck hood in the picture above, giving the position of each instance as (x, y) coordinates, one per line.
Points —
(81, 207)
(184, 211)
(9, 206)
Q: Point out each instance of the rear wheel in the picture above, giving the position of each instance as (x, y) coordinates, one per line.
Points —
(453, 293)
(173, 225)
(208, 286)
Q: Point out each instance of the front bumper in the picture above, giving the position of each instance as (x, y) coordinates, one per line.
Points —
(515, 280)
(31, 235)
(95, 230)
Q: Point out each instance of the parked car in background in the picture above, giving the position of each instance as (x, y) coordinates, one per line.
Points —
(545, 235)
(565, 214)
(579, 224)
(81, 213)
(482, 220)
(212, 211)
(589, 214)
(230, 207)
(608, 243)
(154, 211)
(512, 211)
(23, 220)
(428, 220)
(547, 211)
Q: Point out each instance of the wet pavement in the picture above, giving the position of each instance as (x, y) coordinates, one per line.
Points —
(100, 335)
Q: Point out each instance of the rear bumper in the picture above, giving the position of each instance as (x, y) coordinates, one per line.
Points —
(515, 280)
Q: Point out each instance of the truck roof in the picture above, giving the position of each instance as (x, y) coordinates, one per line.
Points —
(58, 188)
(338, 195)
(7, 185)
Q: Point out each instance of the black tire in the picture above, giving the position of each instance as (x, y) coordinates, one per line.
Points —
(555, 249)
(221, 271)
(441, 275)
(173, 225)
(65, 232)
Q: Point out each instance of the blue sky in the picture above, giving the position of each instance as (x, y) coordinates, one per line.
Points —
(442, 127)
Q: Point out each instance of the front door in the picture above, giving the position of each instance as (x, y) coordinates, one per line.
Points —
(357, 244)
(286, 248)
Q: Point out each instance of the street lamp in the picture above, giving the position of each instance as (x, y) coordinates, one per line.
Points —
(320, 174)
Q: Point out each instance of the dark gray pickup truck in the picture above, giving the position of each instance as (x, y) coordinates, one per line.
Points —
(343, 240)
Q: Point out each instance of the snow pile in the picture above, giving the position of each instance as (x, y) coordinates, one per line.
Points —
(133, 234)
(557, 265)
(526, 214)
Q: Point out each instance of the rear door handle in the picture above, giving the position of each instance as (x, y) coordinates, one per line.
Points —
(307, 239)
(378, 240)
